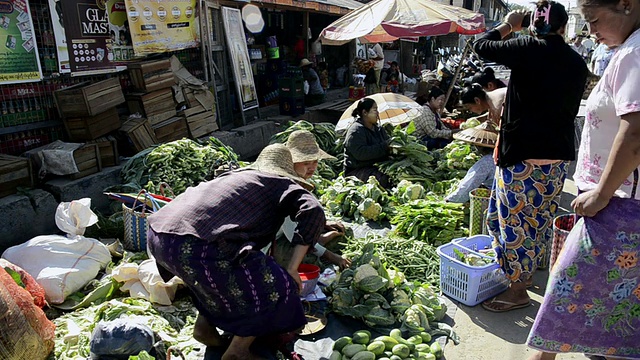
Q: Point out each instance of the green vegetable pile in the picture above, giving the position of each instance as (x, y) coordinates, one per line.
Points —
(431, 220)
(409, 160)
(173, 324)
(325, 134)
(472, 259)
(455, 159)
(395, 251)
(361, 346)
(350, 198)
(382, 298)
(180, 164)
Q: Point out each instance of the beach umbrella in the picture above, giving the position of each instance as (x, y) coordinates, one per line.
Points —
(394, 108)
(389, 20)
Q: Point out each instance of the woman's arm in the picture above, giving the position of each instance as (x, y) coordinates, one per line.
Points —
(623, 160)
(490, 46)
(299, 251)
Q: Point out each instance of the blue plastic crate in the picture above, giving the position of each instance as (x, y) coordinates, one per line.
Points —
(468, 284)
(476, 243)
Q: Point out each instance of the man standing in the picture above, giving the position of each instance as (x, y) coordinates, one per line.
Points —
(600, 59)
(316, 94)
(377, 55)
(577, 46)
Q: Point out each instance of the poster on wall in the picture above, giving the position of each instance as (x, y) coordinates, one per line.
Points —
(55, 9)
(119, 43)
(87, 32)
(160, 26)
(237, 43)
(19, 60)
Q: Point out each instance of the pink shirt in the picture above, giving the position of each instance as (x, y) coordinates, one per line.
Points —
(616, 94)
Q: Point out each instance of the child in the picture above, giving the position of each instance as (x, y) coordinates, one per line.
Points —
(323, 74)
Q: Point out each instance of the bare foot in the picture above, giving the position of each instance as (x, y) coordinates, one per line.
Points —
(206, 333)
(539, 355)
(515, 297)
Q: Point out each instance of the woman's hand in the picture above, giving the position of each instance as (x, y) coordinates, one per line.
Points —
(335, 225)
(589, 203)
(296, 277)
(336, 259)
(514, 18)
(326, 237)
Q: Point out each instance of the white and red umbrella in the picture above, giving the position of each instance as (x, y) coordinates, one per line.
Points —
(389, 20)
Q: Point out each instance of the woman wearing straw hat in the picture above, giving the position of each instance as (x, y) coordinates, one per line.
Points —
(211, 235)
(316, 93)
(366, 143)
(481, 174)
(306, 153)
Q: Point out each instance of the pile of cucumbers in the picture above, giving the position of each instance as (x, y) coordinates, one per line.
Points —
(393, 347)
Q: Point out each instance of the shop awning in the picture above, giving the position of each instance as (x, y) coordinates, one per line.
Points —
(335, 7)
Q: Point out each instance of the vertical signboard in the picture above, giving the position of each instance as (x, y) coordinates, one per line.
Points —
(236, 41)
(55, 9)
(119, 43)
(87, 31)
(162, 25)
(19, 60)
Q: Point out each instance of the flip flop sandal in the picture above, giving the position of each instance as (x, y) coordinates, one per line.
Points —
(512, 305)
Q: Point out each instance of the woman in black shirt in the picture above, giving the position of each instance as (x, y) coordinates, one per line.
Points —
(536, 141)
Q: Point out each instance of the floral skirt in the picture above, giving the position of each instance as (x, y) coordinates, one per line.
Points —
(592, 301)
(246, 295)
(523, 204)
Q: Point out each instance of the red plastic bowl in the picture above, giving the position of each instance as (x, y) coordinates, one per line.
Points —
(308, 272)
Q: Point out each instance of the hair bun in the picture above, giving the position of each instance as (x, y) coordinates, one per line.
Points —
(488, 71)
(476, 86)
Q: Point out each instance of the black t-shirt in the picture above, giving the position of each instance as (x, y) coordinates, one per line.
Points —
(543, 96)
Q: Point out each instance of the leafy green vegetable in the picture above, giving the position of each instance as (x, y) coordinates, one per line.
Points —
(431, 220)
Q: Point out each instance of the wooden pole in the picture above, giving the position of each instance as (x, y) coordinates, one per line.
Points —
(467, 48)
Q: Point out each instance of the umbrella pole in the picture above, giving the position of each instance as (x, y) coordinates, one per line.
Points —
(467, 48)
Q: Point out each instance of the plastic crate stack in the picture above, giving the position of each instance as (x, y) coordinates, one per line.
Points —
(291, 91)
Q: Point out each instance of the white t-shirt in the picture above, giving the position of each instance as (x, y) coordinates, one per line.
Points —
(616, 94)
(378, 64)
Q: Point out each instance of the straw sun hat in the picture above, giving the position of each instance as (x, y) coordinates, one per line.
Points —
(485, 134)
(303, 147)
(276, 159)
(305, 62)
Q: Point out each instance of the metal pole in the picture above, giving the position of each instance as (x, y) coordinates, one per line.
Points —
(467, 48)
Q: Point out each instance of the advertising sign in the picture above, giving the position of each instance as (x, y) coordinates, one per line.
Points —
(55, 9)
(86, 27)
(162, 25)
(241, 64)
(19, 60)
(119, 43)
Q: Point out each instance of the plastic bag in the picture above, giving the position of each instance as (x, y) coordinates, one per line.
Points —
(144, 282)
(71, 262)
(306, 87)
(120, 339)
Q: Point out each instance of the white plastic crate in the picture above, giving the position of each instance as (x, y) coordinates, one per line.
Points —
(468, 284)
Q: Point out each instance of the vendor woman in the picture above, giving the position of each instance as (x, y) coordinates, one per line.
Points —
(481, 174)
(475, 99)
(429, 126)
(211, 235)
(366, 143)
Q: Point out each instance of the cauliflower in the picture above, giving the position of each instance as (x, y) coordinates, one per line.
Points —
(414, 192)
(369, 209)
(364, 271)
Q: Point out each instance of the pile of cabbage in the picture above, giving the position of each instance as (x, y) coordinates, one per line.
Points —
(350, 198)
(382, 298)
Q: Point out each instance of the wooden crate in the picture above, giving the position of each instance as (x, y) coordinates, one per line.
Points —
(200, 122)
(108, 148)
(87, 160)
(151, 75)
(156, 106)
(92, 127)
(87, 99)
(171, 129)
(189, 97)
(14, 172)
(139, 133)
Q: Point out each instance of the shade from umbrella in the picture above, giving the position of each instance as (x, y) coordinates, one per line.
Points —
(393, 108)
(389, 20)
(485, 134)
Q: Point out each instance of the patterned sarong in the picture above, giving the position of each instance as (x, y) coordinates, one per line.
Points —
(523, 204)
(246, 294)
(592, 301)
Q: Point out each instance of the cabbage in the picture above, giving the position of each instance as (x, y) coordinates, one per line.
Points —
(343, 298)
(401, 301)
(470, 123)
(364, 271)
(378, 317)
(371, 284)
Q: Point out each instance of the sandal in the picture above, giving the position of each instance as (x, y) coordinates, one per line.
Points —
(510, 305)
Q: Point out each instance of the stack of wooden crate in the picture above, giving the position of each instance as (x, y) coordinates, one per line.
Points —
(200, 121)
(89, 113)
(14, 172)
(139, 133)
(86, 158)
(153, 98)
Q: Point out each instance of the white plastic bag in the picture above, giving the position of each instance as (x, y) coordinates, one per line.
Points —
(306, 87)
(63, 265)
(144, 281)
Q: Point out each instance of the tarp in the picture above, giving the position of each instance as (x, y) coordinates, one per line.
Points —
(389, 20)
